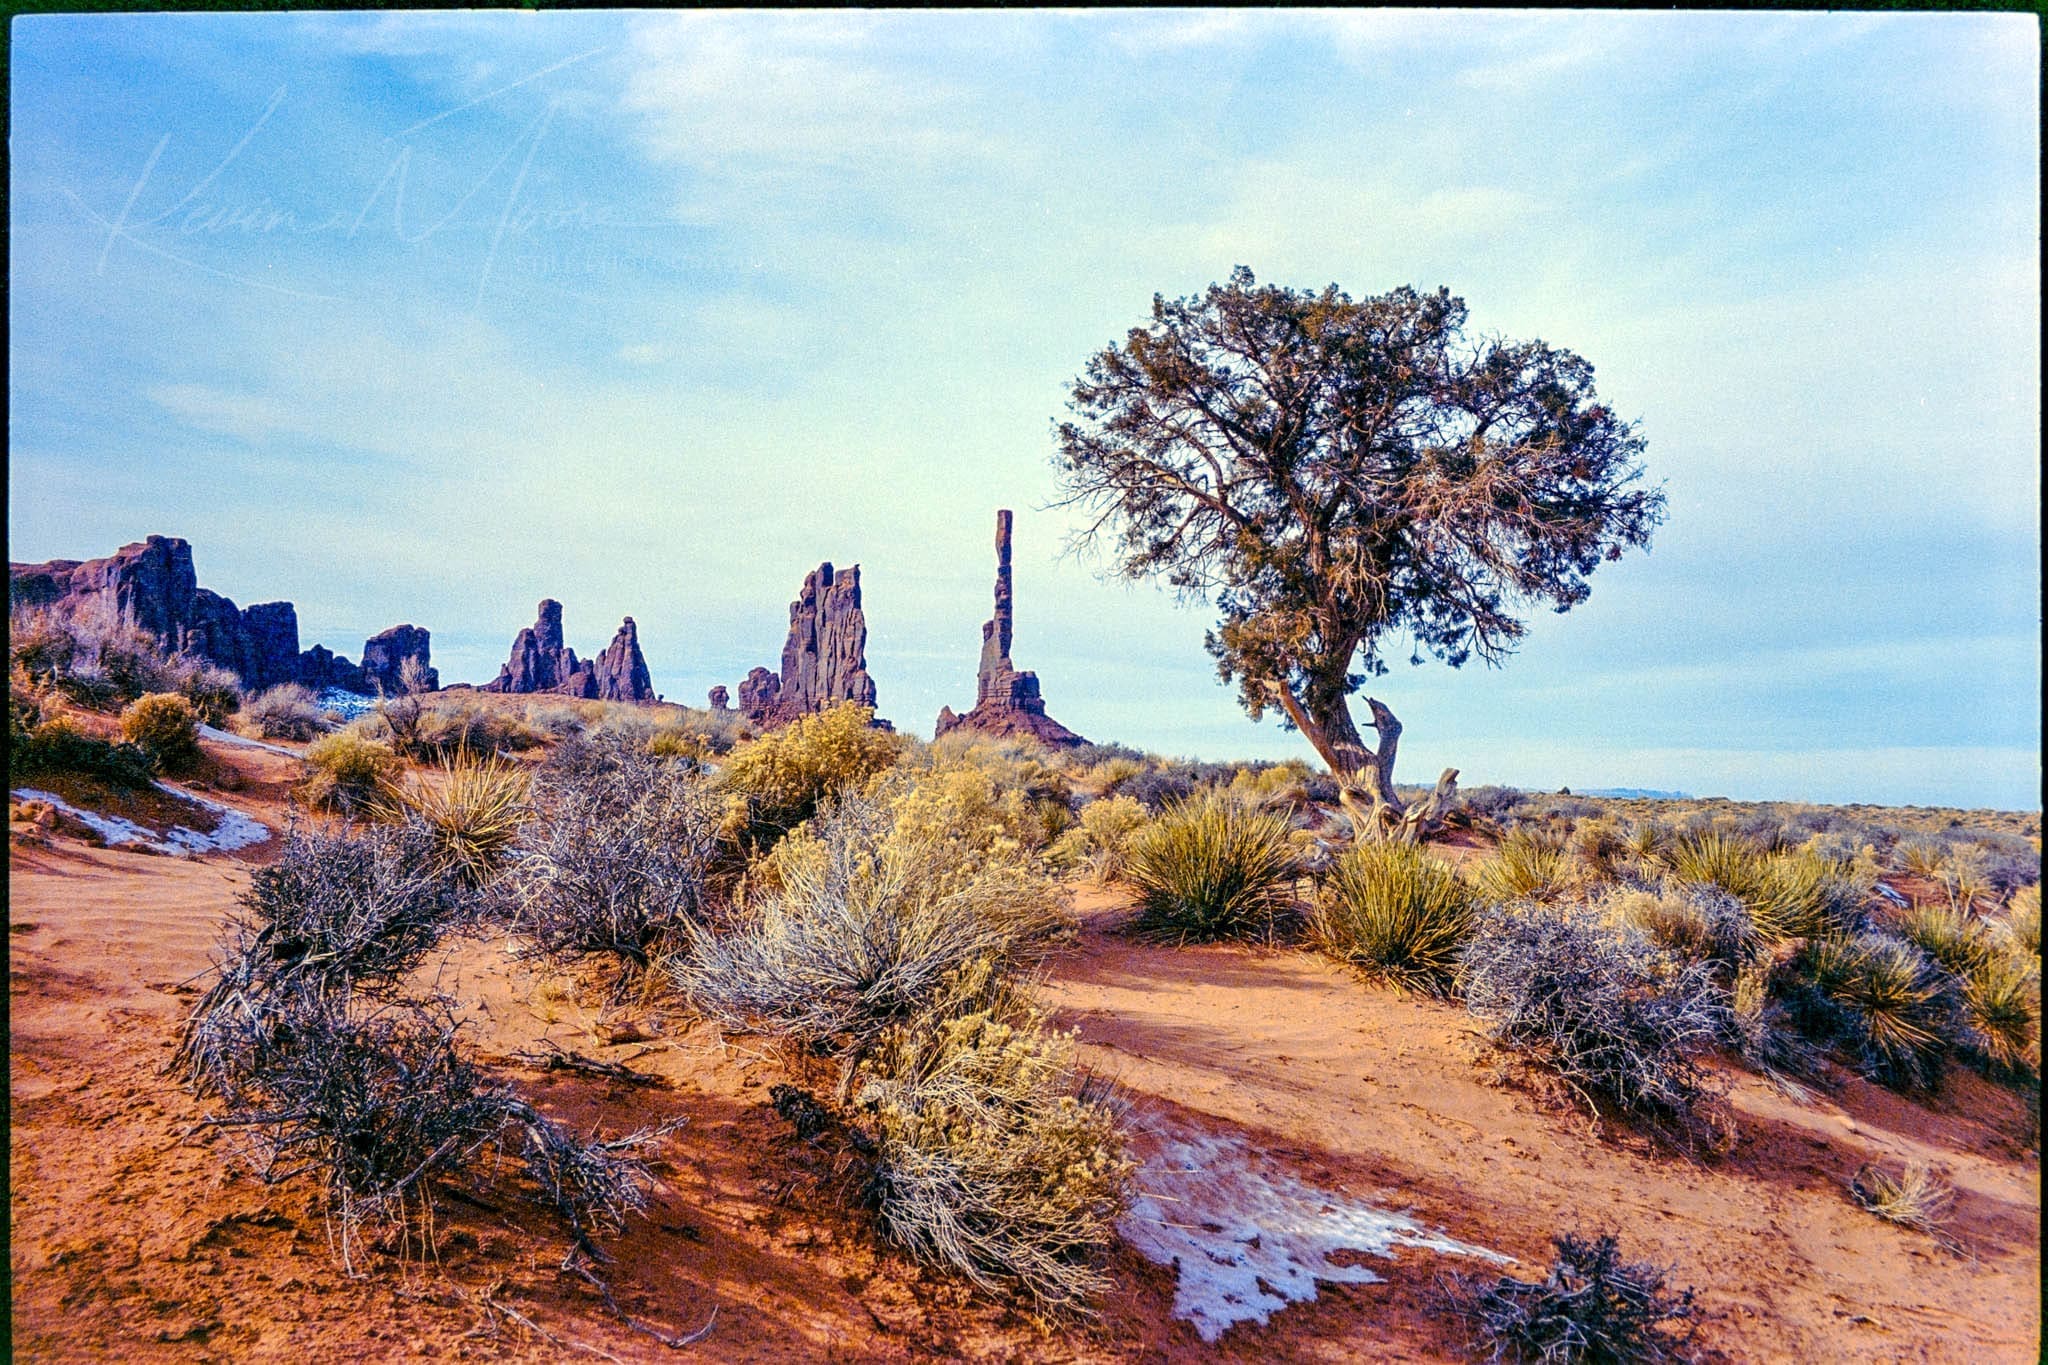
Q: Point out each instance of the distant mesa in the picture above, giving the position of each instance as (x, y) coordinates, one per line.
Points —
(824, 660)
(152, 586)
(1006, 702)
(541, 662)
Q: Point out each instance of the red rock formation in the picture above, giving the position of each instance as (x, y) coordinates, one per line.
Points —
(152, 586)
(1006, 701)
(540, 662)
(824, 660)
(622, 670)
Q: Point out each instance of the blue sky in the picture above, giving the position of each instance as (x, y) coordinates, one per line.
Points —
(426, 316)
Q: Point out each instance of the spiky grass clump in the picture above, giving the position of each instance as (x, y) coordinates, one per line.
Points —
(1393, 910)
(1211, 867)
(1593, 1307)
(2019, 928)
(1788, 895)
(1527, 866)
(1954, 938)
(1603, 1010)
(990, 1155)
(1914, 1198)
(1891, 1006)
(2002, 1001)
(473, 806)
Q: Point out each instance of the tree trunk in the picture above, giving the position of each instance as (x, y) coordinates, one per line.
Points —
(1365, 777)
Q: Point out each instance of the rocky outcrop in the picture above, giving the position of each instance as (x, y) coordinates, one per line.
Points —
(385, 655)
(152, 586)
(824, 660)
(720, 700)
(1006, 701)
(541, 662)
(622, 670)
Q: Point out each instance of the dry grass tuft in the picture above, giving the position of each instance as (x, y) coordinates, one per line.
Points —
(1593, 1307)
(473, 806)
(1914, 1198)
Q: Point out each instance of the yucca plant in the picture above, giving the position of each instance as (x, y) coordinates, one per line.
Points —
(2019, 928)
(1394, 910)
(1954, 938)
(1210, 867)
(1526, 866)
(1886, 1001)
(1788, 895)
(1644, 838)
(2001, 997)
(473, 805)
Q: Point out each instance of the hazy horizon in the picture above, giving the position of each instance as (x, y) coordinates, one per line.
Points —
(426, 316)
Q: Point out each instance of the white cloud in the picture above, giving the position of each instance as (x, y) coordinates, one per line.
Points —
(244, 416)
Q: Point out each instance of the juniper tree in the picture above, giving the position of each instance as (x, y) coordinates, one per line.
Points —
(1338, 475)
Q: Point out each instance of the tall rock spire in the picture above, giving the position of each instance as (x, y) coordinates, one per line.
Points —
(1006, 702)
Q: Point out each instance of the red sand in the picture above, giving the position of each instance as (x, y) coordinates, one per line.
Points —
(132, 1242)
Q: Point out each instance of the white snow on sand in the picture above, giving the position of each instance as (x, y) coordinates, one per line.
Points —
(229, 737)
(1247, 1237)
(348, 705)
(234, 830)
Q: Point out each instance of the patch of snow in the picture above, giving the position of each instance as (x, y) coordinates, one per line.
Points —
(348, 705)
(1893, 896)
(112, 828)
(1248, 1238)
(229, 737)
(234, 830)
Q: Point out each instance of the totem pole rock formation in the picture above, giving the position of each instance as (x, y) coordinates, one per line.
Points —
(1006, 701)
(152, 586)
(541, 662)
(824, 660)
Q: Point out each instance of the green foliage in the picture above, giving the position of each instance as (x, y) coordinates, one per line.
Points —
(1394, 910)
(779, 780)
(345, 771)
(165, 724)
(1209, 867)
(1338, 518)
(59, 746)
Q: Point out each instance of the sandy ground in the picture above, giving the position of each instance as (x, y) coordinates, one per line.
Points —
(134, 1241)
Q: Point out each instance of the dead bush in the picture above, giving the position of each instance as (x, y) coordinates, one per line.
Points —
(1592, 1307)
(613, 861)
(1614, 1018)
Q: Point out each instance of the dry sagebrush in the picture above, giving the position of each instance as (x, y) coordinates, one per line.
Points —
(613, 860)
(868, 923)
(1592, 1307)
(1604, 1011)
(988, 1153)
